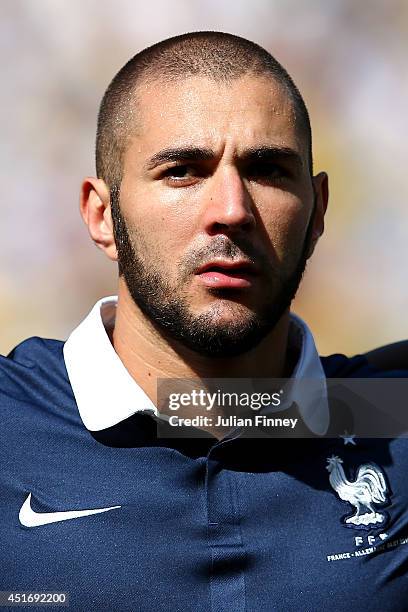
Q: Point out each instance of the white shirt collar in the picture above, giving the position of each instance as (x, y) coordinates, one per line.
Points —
(106, 394)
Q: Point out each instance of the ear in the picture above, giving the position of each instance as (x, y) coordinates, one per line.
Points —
(321, 191)
(96, 213)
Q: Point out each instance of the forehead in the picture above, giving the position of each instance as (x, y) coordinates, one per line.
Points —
(244, 112)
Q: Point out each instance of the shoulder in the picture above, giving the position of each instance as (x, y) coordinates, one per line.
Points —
(359, 366)
(34, 371)
(37, 409)
(31, 353)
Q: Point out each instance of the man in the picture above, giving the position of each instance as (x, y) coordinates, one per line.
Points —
(205, 196)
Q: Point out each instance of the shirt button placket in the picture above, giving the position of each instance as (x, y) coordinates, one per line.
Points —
(228, 558)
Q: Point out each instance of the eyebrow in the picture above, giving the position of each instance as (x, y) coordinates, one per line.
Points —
(194, 154)
(179, 154)
(271, 153)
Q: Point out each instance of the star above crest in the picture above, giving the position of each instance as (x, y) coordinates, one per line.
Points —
(348, 438)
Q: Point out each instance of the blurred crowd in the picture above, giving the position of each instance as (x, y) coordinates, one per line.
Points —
(349, 59)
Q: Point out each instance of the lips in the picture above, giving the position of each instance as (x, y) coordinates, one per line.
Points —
(223, 274)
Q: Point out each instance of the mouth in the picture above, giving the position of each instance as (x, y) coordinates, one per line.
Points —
(224, 274)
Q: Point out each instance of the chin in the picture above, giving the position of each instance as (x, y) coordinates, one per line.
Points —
(226, 311)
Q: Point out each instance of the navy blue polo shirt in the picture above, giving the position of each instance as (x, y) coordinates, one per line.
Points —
(122, 520)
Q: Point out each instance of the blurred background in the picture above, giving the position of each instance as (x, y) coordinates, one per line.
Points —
(349, 60)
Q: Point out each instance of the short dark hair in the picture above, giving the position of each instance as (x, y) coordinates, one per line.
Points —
(217, 55)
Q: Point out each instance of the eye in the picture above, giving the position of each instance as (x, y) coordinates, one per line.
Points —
(180, 174)
(266, 172)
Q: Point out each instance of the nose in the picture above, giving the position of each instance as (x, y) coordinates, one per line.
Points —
(228, 206)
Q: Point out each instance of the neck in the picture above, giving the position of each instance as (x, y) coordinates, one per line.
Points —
(149, 355)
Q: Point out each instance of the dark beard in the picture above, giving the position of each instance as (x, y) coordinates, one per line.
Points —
(169, 313)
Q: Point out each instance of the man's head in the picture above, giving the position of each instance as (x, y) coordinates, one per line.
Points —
(205, 186)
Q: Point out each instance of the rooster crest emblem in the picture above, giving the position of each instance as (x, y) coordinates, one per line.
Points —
(367, 489)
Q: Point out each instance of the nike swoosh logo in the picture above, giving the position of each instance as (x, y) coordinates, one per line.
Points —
(29, 518)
